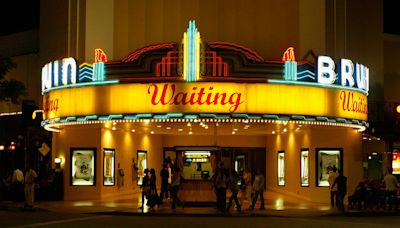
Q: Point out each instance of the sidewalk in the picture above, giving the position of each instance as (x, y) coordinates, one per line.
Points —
(276, 204)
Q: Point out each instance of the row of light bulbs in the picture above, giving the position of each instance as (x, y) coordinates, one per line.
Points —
(56, 126)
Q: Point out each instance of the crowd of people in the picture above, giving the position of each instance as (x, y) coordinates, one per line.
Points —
(170, 183)
(222, 180)
(22, 186)
(367, 194)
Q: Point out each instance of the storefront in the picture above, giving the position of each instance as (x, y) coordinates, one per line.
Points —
(197, 104)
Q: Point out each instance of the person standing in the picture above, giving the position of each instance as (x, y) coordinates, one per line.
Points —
(145, 187)
(121, 176)
(391, 188)
(246, 186)
(258, 187)
(220, 184)
(233, 186)
(30, 177)
(153, 196)
(333, 189)
(175, 184)
(164, 182)
(17, 182)
(341, 183)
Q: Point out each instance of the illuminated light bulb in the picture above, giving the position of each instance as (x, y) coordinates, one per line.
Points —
(273, 132)
(168, 128)
(133, 130)
(113, 128)
(189, 125)
(159, 126)
(284, 130)
(190, 132)
(180, 129)
(151, 132)
(233, 132)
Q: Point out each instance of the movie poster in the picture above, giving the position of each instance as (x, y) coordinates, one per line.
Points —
(83, 166)
(142, 165)
(327, 159)
(305, 168)
(109, 167)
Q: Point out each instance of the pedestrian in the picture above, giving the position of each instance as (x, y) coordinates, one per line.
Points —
(258, 188)
(175, 184)
(233, 186)
(341, 183)
(121, 176)
(17, 182)
(145, 187)
(220, 183)
(153, 198)
(333, 190)
(391, 188)
(164, 173)
(30, 179)
(169, 178)
(246, 186)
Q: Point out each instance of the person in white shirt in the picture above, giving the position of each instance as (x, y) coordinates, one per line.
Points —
(246, 186)
(17, 181)
(30, 177)
(258, 188)
(391, 188)
(333, 189)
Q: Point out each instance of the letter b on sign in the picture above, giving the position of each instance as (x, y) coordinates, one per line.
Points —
(326, 70)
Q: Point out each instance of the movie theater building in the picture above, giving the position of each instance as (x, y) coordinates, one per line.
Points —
(196, 104)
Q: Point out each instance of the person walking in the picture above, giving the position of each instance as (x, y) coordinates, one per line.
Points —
(175, 184)
(153, 196)
(391, 188)
(220, 184)
(333, 190)
(30, 178)
(258, 188)
(17, 182)
(164, 173)
(145, 187)
(233, 186)
(341, 183)
(246, 186)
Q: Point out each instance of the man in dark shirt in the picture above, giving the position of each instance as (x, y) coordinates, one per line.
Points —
(164, 173)
(341, 182)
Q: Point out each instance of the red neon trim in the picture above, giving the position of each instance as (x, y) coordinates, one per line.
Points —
(136, 55)
(288, 55)
(250, 54)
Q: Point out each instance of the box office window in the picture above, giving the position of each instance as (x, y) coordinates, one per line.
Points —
(109, 167)
(142, 165)
(83, 166)
(304, 167)
(327, 159)
(281, 168)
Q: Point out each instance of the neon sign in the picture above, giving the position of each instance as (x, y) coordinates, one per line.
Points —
(348, 74)
(196, 96)
(59, 72)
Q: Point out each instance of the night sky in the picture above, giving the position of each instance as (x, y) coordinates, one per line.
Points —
(21, 15)
(18, 15)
